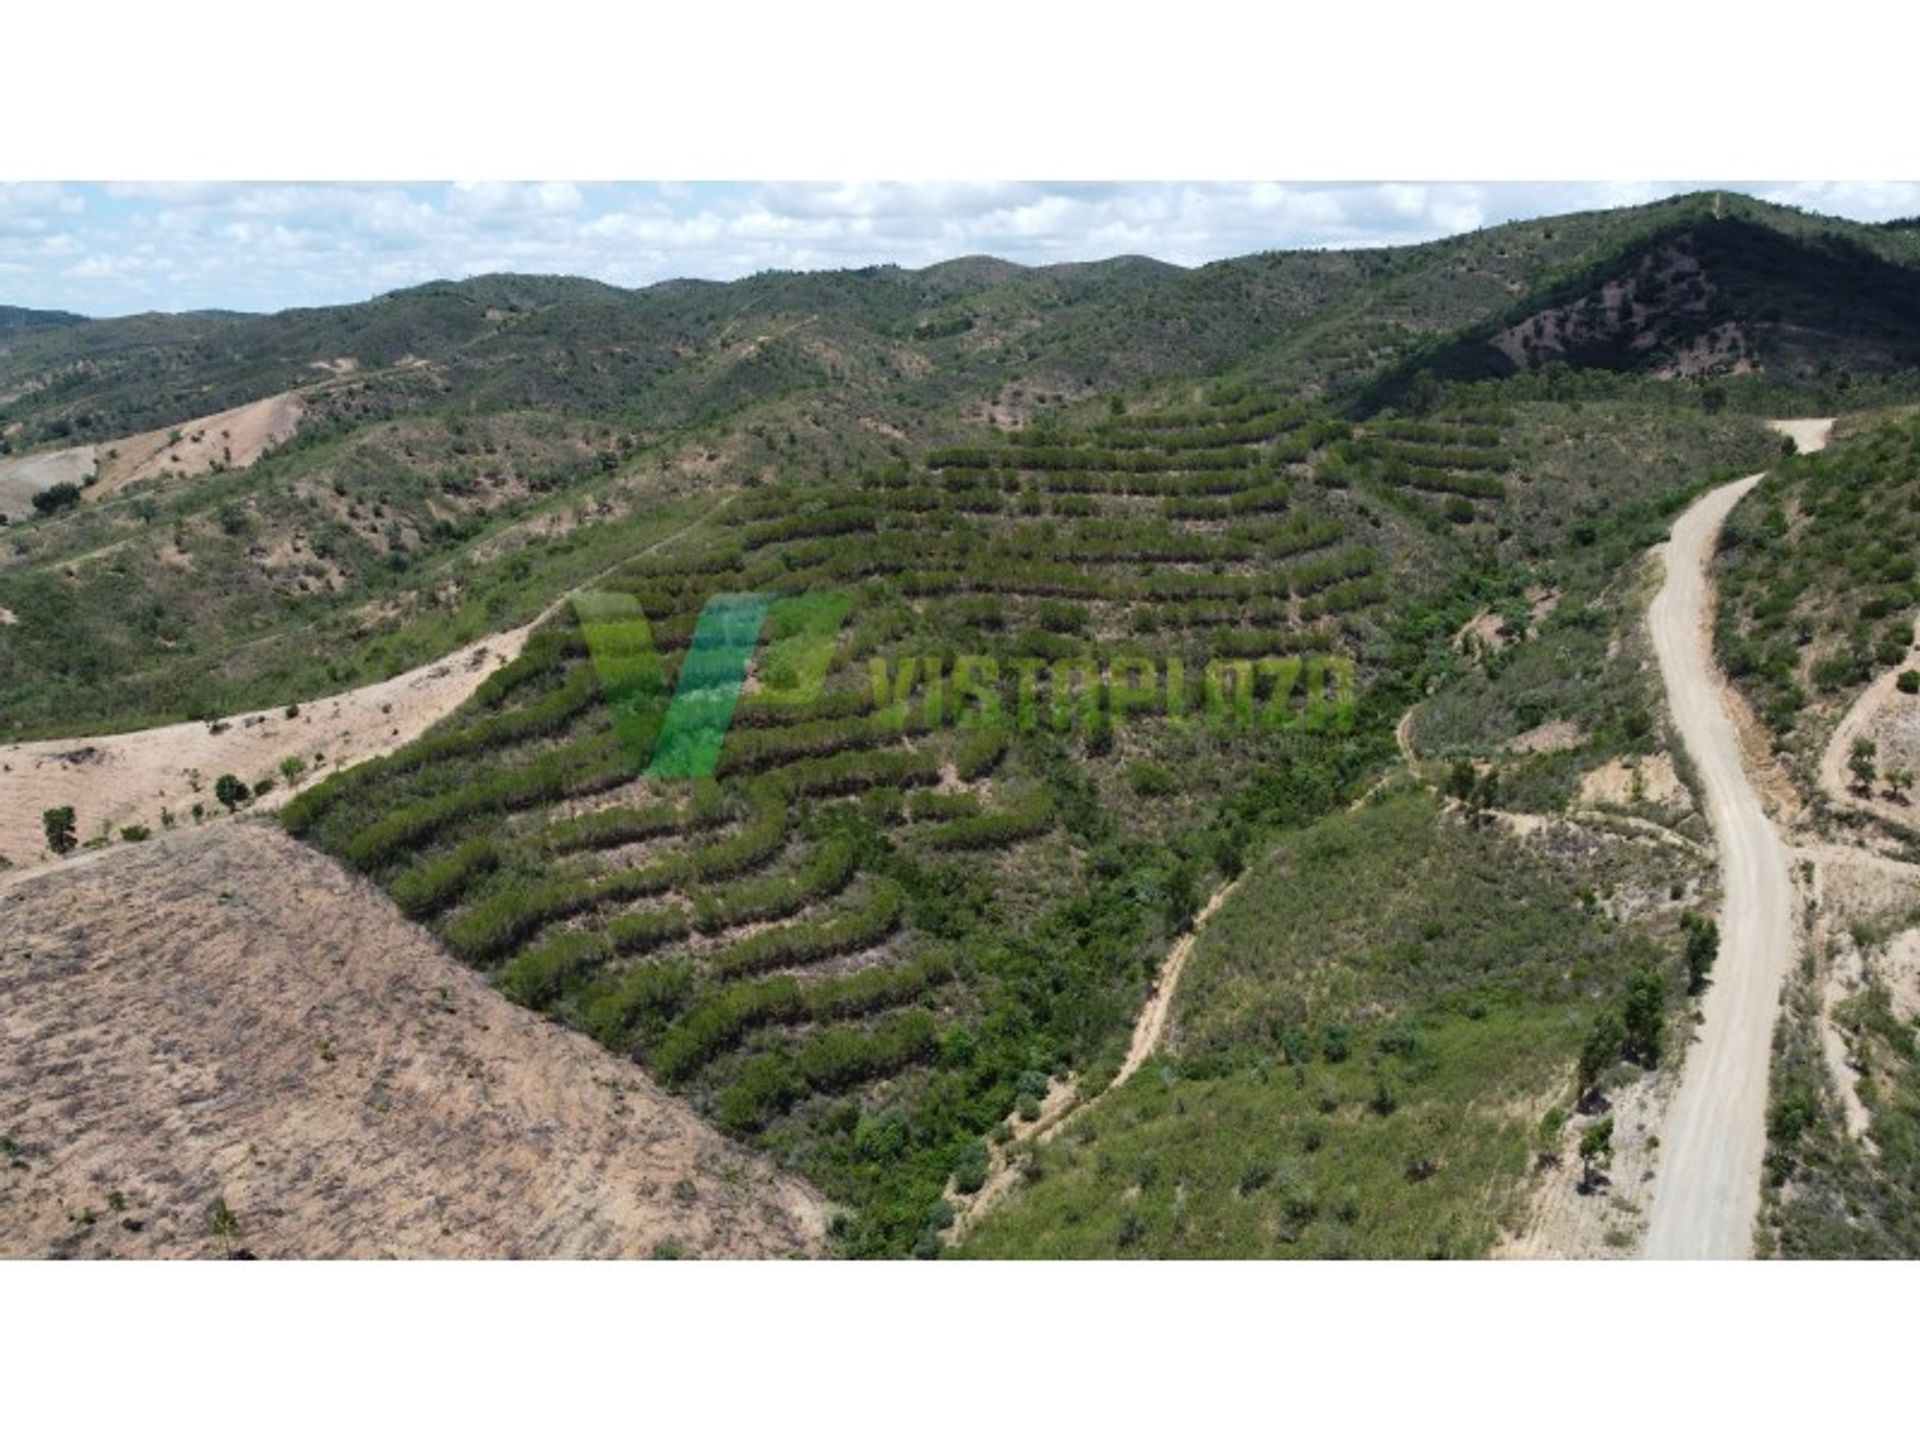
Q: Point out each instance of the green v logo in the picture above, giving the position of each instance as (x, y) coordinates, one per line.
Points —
(681, 738)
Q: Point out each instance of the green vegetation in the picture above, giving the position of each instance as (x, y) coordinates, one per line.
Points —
(1818, 585)
(60, 827)
(890, 920)
(1352, 1079)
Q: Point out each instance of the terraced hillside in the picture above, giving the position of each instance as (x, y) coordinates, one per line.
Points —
(879, 925)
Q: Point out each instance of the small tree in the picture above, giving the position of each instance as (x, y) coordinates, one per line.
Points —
(1909, 682)
(1605, 1038)
(1486, 792)
(1644, 1014)
(1460, 781)
(230, 791)
(1703, 948)
(225, 1226)
(1596, 1152)
(62, 829)
(1899, 781)
(1861, 763)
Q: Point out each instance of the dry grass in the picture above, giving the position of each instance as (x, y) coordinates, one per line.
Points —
(228, 1018)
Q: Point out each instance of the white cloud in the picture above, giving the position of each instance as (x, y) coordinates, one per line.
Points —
(117, 248)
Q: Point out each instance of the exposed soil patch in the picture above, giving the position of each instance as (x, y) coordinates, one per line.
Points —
(1645, 780)
(229, 1018)
(1547, 739)
(230, 440)
(24, 476)
(114, 781)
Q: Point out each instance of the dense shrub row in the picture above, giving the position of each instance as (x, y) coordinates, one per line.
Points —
(1250, 501)
(545, 652)
(757, 712)
(1087, 457)
(762, 747)
(625, 825)
(720, 1022)
(852, 771)
(807, 942)
(510, 916)
(941, 805)
(842, 520)
(425, 889)
(845, 1055)
(773, 897)
(762, 837)
(537, 976)
(980, 752)
(996, 828)
(579, 769)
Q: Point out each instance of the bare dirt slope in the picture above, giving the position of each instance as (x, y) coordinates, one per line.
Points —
(228, 1016)
(24, 476)
(1707, 1194)
(118, 780)
(232, 440)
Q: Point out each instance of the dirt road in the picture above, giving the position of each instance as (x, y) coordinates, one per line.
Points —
(1707, 1193)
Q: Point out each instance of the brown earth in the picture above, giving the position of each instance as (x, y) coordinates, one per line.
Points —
(24, 476)
(232, 440)
(119, 780)
(226, 1017)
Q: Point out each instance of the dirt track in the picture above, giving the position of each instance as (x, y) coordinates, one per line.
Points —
(1707, 1193)
(226, 1015)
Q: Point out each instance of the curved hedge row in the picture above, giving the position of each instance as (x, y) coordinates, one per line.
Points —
(504, 920)
(763, 836)
(813, 941)
(826, 873)
(625, 825)
(1032, 816)
(855, 770)
(845, 1055)
(579, 769)
(723, 1020)
(425, 889)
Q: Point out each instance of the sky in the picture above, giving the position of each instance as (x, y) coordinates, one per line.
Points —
(114, 249)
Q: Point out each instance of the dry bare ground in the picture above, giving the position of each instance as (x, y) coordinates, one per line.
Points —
(114, 781)
(227, 1018)
(117, 780)
(232, 439)
(24, 476)
(1713, 1138)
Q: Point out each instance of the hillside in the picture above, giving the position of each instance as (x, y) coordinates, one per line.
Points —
(1319, 572)
(1817, 611)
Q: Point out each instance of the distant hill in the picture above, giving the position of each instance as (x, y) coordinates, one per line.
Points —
(14, 320)
(1695, 285)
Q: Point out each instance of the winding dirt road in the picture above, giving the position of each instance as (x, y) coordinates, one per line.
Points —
(1712, 1144)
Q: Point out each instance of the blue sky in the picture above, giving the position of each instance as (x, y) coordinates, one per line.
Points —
(117, 249)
